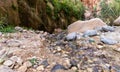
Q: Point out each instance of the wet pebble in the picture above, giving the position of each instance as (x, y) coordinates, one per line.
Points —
(58, 67)
(73, 63)
(71, 36)
(108, 28)
(108, 41)
(89, 33)
(45, 63)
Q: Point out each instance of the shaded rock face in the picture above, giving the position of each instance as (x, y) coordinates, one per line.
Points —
(34, 14)
(9, 8)
(82, 26)
(28, 12)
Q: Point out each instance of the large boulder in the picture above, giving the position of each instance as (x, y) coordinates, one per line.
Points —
(117, 21)
(82, 26)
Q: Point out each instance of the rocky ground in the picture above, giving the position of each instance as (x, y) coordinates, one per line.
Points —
(38, 51)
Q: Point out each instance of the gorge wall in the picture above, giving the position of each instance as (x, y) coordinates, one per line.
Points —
(39, 14)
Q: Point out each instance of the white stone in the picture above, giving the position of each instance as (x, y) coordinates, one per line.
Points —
(58, 48)
(41, 67)
(17, 59)
(8, 63)
(71, 36)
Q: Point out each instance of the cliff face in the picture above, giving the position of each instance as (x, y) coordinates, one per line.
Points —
(39, 14)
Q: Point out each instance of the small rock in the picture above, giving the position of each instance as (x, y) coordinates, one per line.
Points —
(73, 63)
(117, 49)
(108, 28)
(74, 68)
(18, 28)
(41, 67)
(89, 33)
(8, 63)
(67, 63)
(5, 69)
(22, 68)
(90, 70)
(2, 52)
(27, 64)
(108, 41)
(45, 63)
(14, 43)
(100, 46)
(91, 40)
(58, 48)
(57, 67)
(71, 36)
(17, 59)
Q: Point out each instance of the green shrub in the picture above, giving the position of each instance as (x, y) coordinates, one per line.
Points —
(68, 7)
(109, 12)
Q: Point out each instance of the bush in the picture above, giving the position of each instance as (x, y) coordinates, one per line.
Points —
(69, 8)
(110, 11)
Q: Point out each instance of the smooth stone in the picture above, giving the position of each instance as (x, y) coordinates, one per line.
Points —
(17, 59)
(112, 35)
(58, 48)
(22, 68)
(6, 69)
(108, 28)
(41, 67)
(117, 49)
(108, 41)
(18, 28)
(27, 63)
(8, 63)
(71, 36)
(89, 33)
(58, 67)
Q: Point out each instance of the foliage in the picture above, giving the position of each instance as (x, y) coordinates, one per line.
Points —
(4, 27)
(7, 29)
(33, 61)
(68, 7)
(110, 11)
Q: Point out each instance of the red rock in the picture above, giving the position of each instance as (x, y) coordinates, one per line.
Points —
(82, 26)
